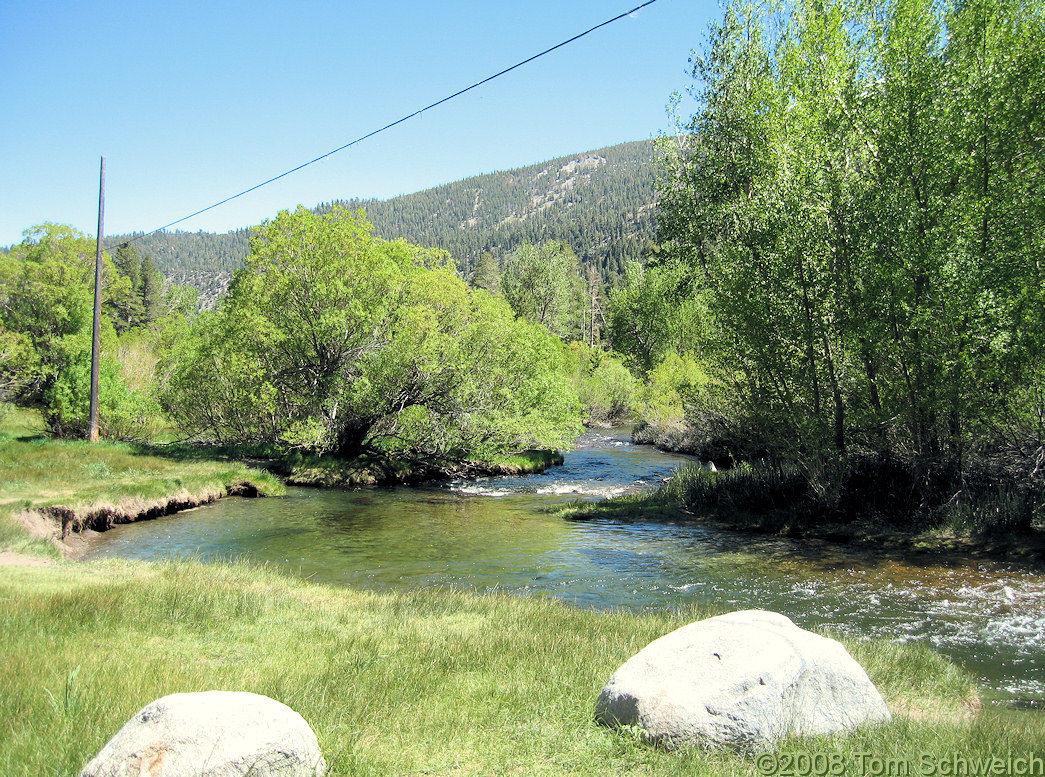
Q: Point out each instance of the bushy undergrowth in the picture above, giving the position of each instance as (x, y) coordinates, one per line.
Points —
(603, 384)
(864, 488)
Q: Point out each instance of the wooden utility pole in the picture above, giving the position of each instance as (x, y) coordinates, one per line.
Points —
(96, 347)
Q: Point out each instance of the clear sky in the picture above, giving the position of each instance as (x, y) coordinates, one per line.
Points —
(191, 102)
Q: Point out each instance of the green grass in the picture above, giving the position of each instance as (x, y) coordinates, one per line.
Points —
(531, 461)
(125, 480)
(16, 422)
(420, 682)
(38, 472)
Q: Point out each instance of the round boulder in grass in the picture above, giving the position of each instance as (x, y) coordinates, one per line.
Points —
(212, 734)
(746, 680)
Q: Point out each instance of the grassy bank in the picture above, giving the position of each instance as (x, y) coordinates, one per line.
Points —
(760, 498)
(53, 488)
(423, 682)
(45, 483)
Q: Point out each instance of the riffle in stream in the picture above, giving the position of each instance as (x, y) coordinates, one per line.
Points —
(494, 534)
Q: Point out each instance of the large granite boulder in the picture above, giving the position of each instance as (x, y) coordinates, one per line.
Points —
(211, 734)
(747, 680)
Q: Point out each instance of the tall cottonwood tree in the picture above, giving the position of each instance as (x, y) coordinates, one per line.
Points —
(859, 196)
(543, 284)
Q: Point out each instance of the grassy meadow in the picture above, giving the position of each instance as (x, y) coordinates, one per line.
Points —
(114, 479)
(419, 682)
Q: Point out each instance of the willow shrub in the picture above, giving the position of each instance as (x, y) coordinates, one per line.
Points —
(334, 340)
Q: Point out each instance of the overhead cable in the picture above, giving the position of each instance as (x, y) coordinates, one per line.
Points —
(408, 117)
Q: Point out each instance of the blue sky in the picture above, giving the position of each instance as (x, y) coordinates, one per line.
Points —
(191, 102)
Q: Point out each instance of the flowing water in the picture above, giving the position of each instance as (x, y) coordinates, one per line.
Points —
(493, 534)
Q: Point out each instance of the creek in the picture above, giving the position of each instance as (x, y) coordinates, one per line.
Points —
(494, 534)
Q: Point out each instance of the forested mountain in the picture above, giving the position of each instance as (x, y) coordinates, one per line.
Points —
(600, 202)
(204, 260)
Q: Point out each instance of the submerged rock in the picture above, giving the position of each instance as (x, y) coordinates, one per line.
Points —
(212, 734)
(747, 680)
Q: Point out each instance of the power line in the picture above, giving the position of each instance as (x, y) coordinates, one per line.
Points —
(408, 117)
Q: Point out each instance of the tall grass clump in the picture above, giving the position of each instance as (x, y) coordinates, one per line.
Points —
(867, 493)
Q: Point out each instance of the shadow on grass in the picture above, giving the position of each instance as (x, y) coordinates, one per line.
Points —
(185, 451)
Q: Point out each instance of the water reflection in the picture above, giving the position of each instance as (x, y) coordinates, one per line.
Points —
(493, 534)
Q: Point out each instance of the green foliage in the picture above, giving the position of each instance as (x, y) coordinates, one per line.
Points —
(486, 274)
(48, 298)
(676, 384)
(151, 290)
(543, 285)
(46, 309)
(181, 301)
(19, 363)
(123, 413)
(605, 386)
(129, 310)
(461, 379)
(335, 340)
(656, 311)
(147, 296)
(858, 200)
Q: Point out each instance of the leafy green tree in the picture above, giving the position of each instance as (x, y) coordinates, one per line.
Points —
(604, 385)
(543, 285)
(46, 310)
(49, 298)
(333, 339)
(181, 300)
(655, 312)
(460, 378)
(855, 199)
(215, 386)
(19, 364)
(671, 391)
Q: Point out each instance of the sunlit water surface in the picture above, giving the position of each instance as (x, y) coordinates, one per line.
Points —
(492, 534)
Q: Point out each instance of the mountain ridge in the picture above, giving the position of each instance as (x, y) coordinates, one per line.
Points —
(600, 202)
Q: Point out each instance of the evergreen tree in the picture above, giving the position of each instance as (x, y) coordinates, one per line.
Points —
(487, 273)
(151, 290)
(129, 311)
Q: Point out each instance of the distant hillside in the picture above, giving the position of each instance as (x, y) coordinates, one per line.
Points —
(205, 260)
(600, 202)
